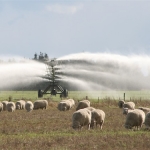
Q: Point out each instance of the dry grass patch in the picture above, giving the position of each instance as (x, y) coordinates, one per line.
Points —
(51, 129)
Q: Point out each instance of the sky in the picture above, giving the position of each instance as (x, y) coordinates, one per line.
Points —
(63, 27)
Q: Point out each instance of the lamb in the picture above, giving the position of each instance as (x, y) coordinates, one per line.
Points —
(135, 118)
(145, 109)
(1, 106)
(4, 105)
(83, 104)
(20, 104)
(80, 118)
(147, 120)
(29, 106)
(11, 107)
(122, 103)
(40, 104)
(98, 117)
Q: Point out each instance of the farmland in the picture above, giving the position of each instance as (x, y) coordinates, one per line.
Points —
(51, 129)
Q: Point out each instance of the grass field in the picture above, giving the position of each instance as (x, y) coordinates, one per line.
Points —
(92, 95)
(51, 129)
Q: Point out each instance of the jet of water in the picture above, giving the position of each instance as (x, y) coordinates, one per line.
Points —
(101, 71)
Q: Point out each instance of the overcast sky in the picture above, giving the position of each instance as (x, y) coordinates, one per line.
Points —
(62, 27)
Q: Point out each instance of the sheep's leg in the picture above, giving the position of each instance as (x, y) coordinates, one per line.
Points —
(101, 124)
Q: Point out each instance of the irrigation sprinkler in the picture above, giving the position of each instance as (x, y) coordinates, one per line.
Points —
(53, 87)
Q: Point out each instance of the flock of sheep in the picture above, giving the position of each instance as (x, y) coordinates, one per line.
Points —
(21, 104)
(85, 115)
(135, 117)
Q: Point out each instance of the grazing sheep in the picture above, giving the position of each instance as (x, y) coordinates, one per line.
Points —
(147, 120)
(64, 105)
(145, 109)
(98, 117)
(83, 104)
(127, 110)
(11, 106)
(135, 118)
(29, 106)
(72, 102)
(1, 106)
(122, 103)
(40, 104)
(20, 104)
(80, 118)
(4, 105)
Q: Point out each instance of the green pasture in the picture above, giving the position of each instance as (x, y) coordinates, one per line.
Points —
(78, 95)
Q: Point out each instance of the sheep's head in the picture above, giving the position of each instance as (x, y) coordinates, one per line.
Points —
(120, 103)
(125, 111)
(76, 125)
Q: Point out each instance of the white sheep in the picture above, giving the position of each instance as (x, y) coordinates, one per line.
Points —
(11, 106)
(20, 104)
(4, 105)
(66, 104)
(72, 102)
(29, 106)
(83, 104)
(98, 117)
(1, 106)
(145, 109)
(123, 104)
(127, 110)
(135, 118)
(80, 118)
(147, 120)
(40, 104)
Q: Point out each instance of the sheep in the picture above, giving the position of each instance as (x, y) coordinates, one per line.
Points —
(145, 109)
(80, 118)
(65, 104)
(147, 120)
(122, 103)
(20, 104)
(83, 104)
(29, 106)
(135, 118)
(4, 105)
(40, 104)
(1, 106)
(98, 117)
(11, 107)
(127, 110)
(72, 102)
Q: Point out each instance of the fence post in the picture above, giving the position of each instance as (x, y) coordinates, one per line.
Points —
(124, 96)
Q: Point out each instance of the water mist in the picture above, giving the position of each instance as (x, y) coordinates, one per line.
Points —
(105, 71)
(20, 72)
